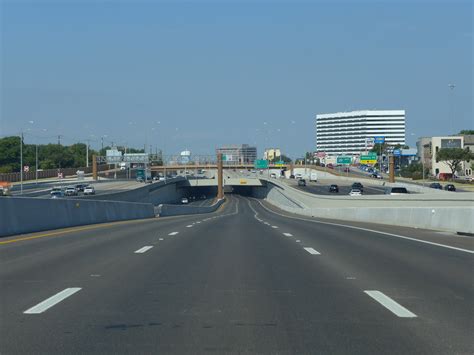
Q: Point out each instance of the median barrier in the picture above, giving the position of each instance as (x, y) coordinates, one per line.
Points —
(21, 215)
(166, 210)
(448, 212)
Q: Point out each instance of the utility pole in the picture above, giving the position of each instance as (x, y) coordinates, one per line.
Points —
(59, 139)
(21, 163)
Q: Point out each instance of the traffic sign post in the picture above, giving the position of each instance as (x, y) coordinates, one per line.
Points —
(344, 160)
(261, 164)
(370, 158)
(379, 140)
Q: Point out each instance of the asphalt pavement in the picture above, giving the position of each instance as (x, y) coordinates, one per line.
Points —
(248, 279)
(322, 187)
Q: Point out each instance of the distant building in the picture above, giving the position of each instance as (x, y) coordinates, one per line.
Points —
(353, 132)
(239, 154)
(428, 148)
(272, 154)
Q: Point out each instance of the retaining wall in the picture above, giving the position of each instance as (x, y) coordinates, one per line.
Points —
(448, 212)
(25, 215)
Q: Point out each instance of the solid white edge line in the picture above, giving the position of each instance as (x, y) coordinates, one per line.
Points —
(371, 230)
(53, 300)
(312, 251)
(143, 250)
(390, 304)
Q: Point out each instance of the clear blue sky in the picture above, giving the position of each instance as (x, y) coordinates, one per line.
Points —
(229, 72)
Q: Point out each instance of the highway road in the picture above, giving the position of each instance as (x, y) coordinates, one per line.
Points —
(247, 279)
(322, 187)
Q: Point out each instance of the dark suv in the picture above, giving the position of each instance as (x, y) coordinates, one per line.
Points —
(301, 182)
(436, 185)
(333, 188)
(450, 187)
(357, 186)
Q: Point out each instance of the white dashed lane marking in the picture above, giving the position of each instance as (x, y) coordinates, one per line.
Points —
(53, 300)
(287, 234)
(298, 241)
(189, 226)
(390, 304)
(173, 233)
(312, 251)
(275, 227)
(161, 239)
(143, 250)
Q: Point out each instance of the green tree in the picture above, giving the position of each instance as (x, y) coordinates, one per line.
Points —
(466, 131)
(285, 158)
(453, 157)
(9, 154)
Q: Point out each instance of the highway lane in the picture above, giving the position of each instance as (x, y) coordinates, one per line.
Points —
(322, 187)
(242, 280)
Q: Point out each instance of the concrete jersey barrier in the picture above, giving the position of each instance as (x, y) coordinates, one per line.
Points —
(25, 215)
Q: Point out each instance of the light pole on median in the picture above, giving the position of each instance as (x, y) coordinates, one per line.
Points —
(21, 163)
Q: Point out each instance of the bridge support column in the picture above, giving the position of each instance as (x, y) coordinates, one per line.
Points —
(391, 167)
(220, 181)
(94, 167)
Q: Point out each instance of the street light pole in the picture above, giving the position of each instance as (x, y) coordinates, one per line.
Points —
(36, 164)
(21, 163)
(451, 106)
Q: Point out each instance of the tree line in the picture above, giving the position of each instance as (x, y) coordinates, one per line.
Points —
(50, 156)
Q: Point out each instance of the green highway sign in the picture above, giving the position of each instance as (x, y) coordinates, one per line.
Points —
(344, 160)
(261, 164)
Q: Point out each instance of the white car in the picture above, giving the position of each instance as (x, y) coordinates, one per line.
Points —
(355, 192)
(70, 191)
(56, 190)
(184, 201)
(89, 190)
(162, 178)
(273, 175)
(298, 176)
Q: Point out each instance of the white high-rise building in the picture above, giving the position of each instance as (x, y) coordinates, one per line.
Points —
(351, 132)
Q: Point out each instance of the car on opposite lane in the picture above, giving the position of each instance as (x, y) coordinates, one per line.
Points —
(355, 192)
(184, 201)
(357, 186)
(301, 182)
(396, 191)
(70, 191)
(89, 190)
(334, 188)
(436, 185)
(450, 187)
